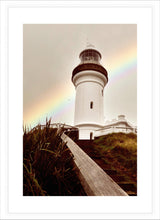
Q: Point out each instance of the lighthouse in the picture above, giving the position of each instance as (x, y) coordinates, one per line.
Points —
(89, 79)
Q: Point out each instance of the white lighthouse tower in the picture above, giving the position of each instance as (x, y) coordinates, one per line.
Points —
(89, 79)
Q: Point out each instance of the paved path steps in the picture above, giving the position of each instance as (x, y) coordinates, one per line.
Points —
(94, 180)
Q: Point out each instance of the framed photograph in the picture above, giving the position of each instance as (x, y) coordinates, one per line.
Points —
(81, 100)
(46, 48)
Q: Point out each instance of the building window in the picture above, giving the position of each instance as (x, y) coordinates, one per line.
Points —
(91, 105)
(102, 92)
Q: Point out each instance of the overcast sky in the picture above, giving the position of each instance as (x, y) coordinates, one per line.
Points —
(51, 52)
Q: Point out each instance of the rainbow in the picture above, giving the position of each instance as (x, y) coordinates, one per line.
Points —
(54, 104)
(62, 103)
(123, 64)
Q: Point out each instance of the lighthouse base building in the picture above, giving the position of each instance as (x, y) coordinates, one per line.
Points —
(116, 125)
(121, 124)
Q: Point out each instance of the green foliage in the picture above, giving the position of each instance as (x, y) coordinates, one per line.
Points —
(48, 165)
(128, 141)
(119, 152)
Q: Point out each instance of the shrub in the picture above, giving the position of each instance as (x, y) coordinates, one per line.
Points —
(48, 165)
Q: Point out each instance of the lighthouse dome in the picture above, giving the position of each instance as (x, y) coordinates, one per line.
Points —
(90, 60)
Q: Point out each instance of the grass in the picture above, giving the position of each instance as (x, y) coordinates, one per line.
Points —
(119, 152)
(48, 165)
(116, 154)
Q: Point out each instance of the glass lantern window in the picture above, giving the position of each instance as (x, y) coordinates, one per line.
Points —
(90, 55)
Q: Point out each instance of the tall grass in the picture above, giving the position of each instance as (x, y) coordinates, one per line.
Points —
(119, 151)
(48, 165)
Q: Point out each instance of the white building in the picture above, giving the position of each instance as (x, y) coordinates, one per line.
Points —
(89, 79)
(115, 126)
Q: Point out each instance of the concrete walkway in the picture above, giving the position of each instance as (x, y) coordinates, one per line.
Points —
(94, 180)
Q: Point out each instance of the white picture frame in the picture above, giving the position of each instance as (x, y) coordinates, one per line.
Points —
(13, 204)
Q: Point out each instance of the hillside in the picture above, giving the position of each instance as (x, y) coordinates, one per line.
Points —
(116, 153)
(49, 168)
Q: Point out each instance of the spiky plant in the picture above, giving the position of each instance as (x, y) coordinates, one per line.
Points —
(48, 165)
